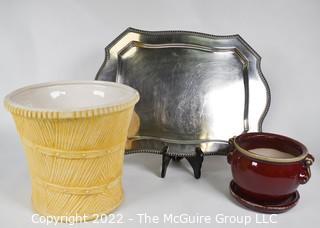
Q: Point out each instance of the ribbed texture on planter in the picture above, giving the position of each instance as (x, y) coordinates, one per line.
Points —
(75, 163)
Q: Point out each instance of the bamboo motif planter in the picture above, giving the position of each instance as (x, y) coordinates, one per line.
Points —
(74, 136)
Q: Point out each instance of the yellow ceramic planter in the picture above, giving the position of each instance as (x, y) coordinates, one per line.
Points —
(74, 135)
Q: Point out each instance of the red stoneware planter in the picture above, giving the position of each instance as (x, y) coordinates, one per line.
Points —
(267, 183)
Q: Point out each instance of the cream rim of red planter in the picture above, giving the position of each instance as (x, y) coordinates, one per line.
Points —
(302, 156)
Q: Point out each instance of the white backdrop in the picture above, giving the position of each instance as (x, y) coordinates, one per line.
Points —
(59, 40)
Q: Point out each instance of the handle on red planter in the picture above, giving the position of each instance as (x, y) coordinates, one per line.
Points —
(305, 174)
(231, 149)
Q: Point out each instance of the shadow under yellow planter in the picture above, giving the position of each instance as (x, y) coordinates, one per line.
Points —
(74, 135)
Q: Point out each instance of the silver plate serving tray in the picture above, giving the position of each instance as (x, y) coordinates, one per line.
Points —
(197, 90)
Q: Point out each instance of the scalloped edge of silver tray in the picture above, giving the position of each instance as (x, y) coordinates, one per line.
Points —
(255, 109)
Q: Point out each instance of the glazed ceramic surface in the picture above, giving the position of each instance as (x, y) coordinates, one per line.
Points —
(270, 207)
(74, 136)
(263, 178)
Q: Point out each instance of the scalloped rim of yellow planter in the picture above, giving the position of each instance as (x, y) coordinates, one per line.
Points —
(29, 112)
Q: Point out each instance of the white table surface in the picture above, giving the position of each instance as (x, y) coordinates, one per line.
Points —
(63, 40)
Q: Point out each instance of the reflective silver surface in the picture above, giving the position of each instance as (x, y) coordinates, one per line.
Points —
(196, 89)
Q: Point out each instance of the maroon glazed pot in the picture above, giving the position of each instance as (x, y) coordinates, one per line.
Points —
(265, 178)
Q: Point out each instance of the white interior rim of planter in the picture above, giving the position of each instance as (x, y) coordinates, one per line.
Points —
(297, 158)
(66, 96)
